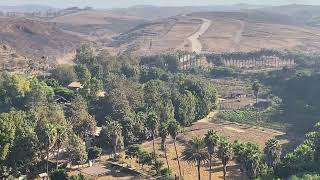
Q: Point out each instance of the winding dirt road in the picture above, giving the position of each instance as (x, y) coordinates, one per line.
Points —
(196, 45)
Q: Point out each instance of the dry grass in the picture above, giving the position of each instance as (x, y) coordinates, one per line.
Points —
(229, 34)
(232, 131)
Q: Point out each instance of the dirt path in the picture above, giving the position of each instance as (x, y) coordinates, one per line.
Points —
(238, 35)
(196, 45)
(208, 118)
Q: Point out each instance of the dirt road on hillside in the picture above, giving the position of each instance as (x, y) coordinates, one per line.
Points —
(196, 45)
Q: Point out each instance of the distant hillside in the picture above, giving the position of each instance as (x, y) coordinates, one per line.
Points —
(28, 8)
(156, 12)
(36, 38)
(96, 24)
(305, 14)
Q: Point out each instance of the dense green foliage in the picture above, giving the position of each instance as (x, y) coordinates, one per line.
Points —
(134, 100)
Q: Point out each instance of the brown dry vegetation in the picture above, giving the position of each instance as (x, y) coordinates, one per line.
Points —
(36, 38)
(231, 33)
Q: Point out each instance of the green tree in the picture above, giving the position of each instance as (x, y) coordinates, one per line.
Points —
(94, 152)
(133, 151)
(13, 91)
(225, 154)
(153, 124)
(272, 151)
(174, 129)
(212, 141)
(145, 158)
(205, 93)
(64, 74)
(76, 149)
(83, 74)
(112, 134)
(185, 108)
(195, 151)
(51, 134)
(25, 145)
(40, 94)
(59, 174)
(256, 88)
(7, 135)
(83, 124)
(251, 159)
(163, 132)
(61, 137)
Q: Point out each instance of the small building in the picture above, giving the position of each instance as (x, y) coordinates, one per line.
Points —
(76, 86)
(238, 94)
(43, 176)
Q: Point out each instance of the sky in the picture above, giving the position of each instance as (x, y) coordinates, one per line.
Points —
(127, 3)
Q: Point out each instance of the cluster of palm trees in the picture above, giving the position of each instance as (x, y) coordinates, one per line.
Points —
(201, 150)
(187, 59)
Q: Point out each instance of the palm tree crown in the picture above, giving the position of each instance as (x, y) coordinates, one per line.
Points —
(195, 151)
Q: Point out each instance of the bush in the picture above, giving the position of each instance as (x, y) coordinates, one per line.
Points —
(77, 177)
(166, 172)
(59, 174)
(219, 72)
(306, 177)
(94, 153)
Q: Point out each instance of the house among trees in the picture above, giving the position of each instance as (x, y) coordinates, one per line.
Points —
(76, 86)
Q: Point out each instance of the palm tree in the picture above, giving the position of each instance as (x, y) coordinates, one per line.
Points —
(195, 151)
(50, 133)
(153, 124)
(272, 151)
(163, 132)
(62, 134)
(256, 88)
(174, 129)
(225, 154)
(211, 139)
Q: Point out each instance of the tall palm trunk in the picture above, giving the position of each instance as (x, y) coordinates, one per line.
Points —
(47, 164)
(163, 142)
(210, 165)
(115, 143)
(166, 156)
(199, 175)
(177, 156)
(153, 146)
(224, 171)
(57, 158)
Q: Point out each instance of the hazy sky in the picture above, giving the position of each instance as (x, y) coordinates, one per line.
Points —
(126, 3)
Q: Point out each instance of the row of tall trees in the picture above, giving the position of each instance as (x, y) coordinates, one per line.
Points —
(302, 59)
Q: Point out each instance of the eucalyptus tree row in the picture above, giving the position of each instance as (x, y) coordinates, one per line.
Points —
(289, 57)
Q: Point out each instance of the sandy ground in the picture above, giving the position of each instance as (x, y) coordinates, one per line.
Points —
(67, 59)
(196, 45)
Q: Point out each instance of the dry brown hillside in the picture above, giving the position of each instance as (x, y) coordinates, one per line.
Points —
(247, 32)
(36, 38)
(96, 24)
